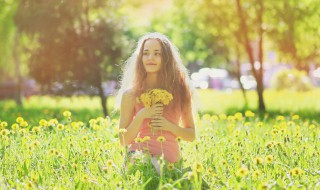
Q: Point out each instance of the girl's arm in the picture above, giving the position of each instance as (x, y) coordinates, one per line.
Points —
(130, 123)
(187, 132)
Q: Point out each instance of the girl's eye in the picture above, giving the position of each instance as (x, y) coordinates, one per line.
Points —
(157, 53)
(145, 53)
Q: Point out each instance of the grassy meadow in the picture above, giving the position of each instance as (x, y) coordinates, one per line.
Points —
(44, 146)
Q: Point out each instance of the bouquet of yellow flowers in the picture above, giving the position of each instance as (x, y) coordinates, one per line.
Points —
(154, 96)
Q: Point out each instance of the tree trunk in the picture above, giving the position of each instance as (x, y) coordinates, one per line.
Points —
(260, 86)
(98, 82)
(18, 87)
(257, 76)
(103, 100)
(238, 73)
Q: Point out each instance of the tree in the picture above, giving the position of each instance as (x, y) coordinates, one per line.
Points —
(294, 30)
(79, 43)
(10, 48)
(257, 72)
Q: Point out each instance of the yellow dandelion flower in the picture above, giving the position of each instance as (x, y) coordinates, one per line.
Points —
(85, 178)
(297, 134)
(35, 143)
(85, 152)
(67, 114)
(280, 118)
(15, 126)
(3, 124)
(270, 144)
(104, 168)
(161, 139)
(74, 125)
(247, 124)
(36, 129)
(231, 118)
(210, 170)
(296, 172)
(119, 184)
(214, 118)
(241, 172)
(206, 117)
(24, 124)
(274, 131)
(312, 126)
(249, 113)
(276, 127)
(291, 123)
(260, 124)
(295, 117)
(122, 130)
(198, 167)
(283, 130)
(146, 139)
(52, 152)
(257, 160)
(138, 140)
(223, 116)
(23, 131)
(53, 121)
(80, 123)
(256, 174)
(43, 123)
(19, 120)
(71, 144)
(109, 163)
(96, 127)
(5, 132)
(237, 132)
(93, 121)
(269, 159)
(224, 162)
(170, 166)
(85, 138)
(238, 116)
(179, 139)
(60, 127)
(29, 185)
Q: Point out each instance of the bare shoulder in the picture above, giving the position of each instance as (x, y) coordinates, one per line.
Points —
(128, 97)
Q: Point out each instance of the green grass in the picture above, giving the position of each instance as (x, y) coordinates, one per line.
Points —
(210, 101)
(65, 155)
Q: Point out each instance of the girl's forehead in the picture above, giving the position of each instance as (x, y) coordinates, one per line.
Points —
(152, 44)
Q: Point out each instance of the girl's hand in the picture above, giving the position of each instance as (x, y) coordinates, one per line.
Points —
(160, 122)
(152, 112)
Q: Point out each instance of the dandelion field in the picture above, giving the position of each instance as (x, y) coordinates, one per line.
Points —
(232, 151)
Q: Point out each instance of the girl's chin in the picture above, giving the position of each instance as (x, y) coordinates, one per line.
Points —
(152, 71)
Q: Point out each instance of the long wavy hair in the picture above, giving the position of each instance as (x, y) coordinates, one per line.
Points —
(173, 75)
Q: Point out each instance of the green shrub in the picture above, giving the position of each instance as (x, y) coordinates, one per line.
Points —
(291, 79)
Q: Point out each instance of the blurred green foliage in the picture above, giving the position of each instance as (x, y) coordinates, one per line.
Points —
(292, 79)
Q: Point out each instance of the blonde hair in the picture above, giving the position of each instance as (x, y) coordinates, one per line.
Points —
(172, 70)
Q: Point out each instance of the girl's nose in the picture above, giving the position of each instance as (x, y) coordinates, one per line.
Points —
(150, 56)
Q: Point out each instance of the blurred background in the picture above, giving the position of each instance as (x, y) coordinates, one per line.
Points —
(249, 48)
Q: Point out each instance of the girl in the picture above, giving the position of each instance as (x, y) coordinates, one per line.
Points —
(156, 64)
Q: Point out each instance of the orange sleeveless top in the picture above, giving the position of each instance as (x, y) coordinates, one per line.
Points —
(170, 147)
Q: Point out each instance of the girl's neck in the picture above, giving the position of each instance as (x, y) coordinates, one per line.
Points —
(151, 80)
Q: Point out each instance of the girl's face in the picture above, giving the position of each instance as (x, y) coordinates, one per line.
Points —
(151, 57)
